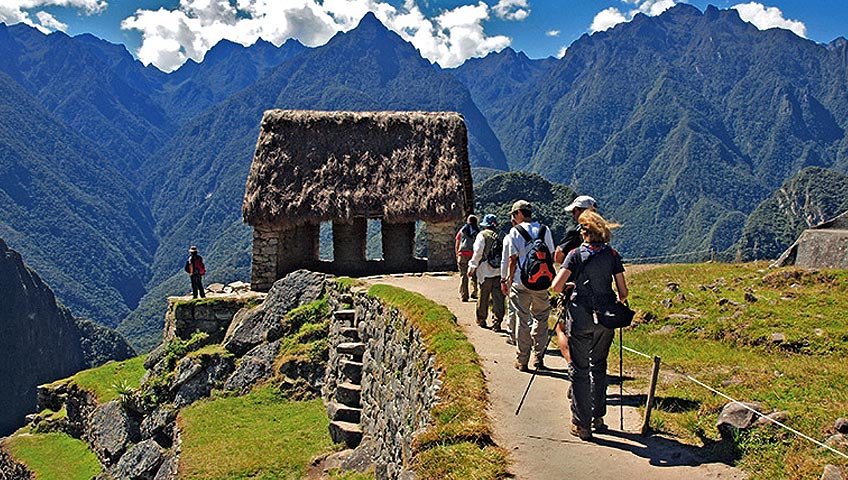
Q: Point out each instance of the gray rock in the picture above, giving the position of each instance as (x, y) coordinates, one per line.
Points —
(215, 288)
(665, 330)
(155, 356)
(735, 417)
(750, 298)
(837, 441)
(168, 469)
(841, 425)
(112, 431)
(257, 365)
(781, 417)
(159, 426)
(250, 327)
(777, 338)
(214, 371)
(295, 289)
(667, 303)
(187, 368)
(832, 472)
(141, 462)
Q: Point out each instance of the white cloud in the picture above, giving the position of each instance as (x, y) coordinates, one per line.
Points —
(764, 18)
(562, 51)
(606, 19)
(512, 9)
(552, 33)
(170, 37)
(18, 11)
(50, 22)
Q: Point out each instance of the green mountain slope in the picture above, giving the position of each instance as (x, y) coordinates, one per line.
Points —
(810, 197)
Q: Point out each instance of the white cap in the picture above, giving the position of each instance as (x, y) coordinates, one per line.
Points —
(583, 201)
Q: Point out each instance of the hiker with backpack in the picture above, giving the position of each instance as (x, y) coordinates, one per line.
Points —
(596, 266)
(530, 273)
(195, 269)
(485, 264)
(464, 247)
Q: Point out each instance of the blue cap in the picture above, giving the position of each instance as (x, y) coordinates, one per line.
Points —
(489, 220)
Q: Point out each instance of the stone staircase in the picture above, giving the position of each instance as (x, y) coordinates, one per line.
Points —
(346, 409)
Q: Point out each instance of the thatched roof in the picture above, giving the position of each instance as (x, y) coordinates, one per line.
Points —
(319, 166)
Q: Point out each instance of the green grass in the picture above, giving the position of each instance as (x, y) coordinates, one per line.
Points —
(259, 436)
(726, 345)
(53, 456)
(107, 380)
(458, 444)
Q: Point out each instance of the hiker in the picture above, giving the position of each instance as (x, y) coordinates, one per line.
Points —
(510, 317)
(485, 264)
(570, 241)
(196, 270)
(596, 266)
(464, 247)
(530, 273)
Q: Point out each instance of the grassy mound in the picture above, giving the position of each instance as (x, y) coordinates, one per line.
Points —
(458, 445)
(108, 380)
(53, 455)
(259, 435)
(773, 336)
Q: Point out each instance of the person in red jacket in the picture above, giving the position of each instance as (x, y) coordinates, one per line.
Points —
(196, 269)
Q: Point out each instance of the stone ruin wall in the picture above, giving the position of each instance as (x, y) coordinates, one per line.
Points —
(400, 382)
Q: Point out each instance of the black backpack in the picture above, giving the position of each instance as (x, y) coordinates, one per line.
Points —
(537, 271)
(493, 254)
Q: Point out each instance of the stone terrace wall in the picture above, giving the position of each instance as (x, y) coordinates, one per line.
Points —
(400, 382)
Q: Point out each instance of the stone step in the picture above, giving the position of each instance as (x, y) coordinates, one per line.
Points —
(350, 333)
(352, 371)
(345, 432)
(354, 349)
(349, 394)
(344, 413)
(347, 317)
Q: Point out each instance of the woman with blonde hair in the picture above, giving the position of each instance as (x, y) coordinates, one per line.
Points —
(596, 266)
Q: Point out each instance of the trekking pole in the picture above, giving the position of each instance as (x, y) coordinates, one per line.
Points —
(621, 377)
(535, 371)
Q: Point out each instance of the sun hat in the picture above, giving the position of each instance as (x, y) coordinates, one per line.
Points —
(584, 202)
(193, 249)
(521, 205)
(471, 217)
(489, 220)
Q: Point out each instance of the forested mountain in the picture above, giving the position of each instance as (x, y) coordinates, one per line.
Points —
(812, 196)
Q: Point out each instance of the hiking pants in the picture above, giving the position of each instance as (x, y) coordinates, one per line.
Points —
(490, 289)
(462, 262)
(532, 309)
(589, 344)
(197, 286)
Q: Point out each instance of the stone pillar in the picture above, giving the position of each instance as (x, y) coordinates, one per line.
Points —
(264, 264)
(441, 255)
(297, 248)
(349, 247)
(399, 246)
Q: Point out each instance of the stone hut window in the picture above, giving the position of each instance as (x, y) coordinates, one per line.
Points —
(374, 241)
(325, 239)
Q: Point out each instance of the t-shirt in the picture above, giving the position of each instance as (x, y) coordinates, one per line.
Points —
(514, 244)
(600, 263)
(466, 236)
(478, 261)
(571, 240)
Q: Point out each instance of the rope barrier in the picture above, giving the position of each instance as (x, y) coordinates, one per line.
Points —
(733, 400)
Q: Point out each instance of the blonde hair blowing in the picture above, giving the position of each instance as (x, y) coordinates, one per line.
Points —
(594, 227)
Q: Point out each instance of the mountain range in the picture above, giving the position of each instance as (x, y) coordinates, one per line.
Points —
(680, 125)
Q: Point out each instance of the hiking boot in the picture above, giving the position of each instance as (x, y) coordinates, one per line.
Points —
(496, 327)
(540, 365)
(521, 367)
(482, 324)
(584, 433)
(598, 425)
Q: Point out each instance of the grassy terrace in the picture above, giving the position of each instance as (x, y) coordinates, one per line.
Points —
(783, 346)
(53, 455)
(458, 445)
(106, 380)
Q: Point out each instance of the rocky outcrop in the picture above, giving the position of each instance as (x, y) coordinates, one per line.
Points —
(40, 341)
(12, 470)
(255, 366)
(211, 315)
(140, 462)
(112, 430)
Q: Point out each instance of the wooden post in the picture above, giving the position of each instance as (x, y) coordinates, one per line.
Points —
(649, 404)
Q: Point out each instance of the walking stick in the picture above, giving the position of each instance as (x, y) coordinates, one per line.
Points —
(621, 377)
(535, 371)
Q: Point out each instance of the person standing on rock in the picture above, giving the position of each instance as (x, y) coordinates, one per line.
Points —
(464, 247)
(531, 302)
(596, 266)
(196, 270)
(485, 265)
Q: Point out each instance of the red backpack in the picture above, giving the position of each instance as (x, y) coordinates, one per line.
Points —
(537, 271)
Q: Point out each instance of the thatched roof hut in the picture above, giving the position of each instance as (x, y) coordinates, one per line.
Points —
(822, 246)
(345, 167)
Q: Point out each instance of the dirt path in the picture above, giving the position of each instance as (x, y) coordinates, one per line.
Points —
(538, 438)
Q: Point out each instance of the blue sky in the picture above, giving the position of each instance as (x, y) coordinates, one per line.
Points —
(165, 33)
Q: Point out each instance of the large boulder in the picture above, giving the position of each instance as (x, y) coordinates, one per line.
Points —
(735, 417)
(203, 373)
(257, 365)
(168, 469)
(159, 426)
(112, 431)
(265, 323)
(140, 462)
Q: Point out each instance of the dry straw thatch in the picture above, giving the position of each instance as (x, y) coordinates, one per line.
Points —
(321, 166)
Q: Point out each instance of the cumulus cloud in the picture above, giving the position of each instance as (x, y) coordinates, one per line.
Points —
(606, 19)
(512, 9)
(562, 51)
(172, 36)
(18, 11)
(552, 33)
(764, 18)
(612, 16)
